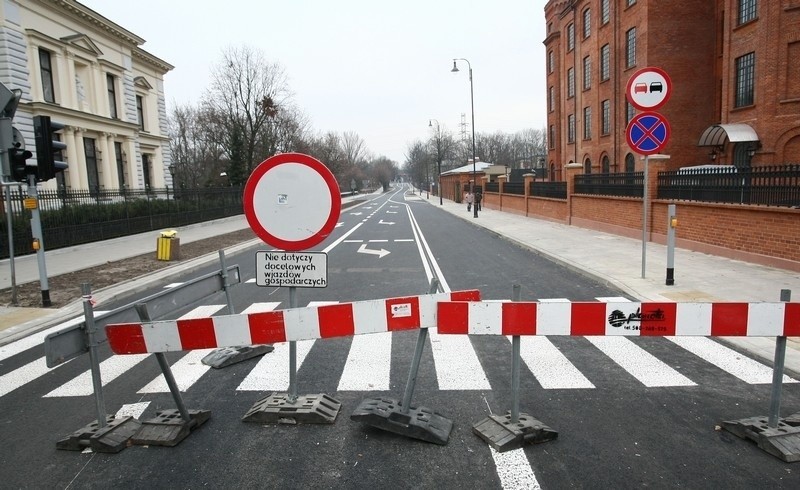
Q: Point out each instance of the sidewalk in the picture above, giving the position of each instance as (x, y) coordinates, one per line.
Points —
(606, 257)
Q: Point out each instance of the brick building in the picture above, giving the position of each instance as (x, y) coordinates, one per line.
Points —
(732, 63)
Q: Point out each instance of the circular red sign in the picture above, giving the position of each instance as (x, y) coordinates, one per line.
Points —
(292, 201)
(648, 133)
(649, 88)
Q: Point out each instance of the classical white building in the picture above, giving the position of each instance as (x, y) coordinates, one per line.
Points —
(88, 73)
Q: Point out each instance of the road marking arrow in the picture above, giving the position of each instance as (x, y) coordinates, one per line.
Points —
(380, 253)
(385, 222)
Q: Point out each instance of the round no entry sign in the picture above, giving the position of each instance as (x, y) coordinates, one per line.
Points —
(292, 201)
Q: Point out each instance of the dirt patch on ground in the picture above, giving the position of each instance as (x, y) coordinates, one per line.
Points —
(66, 288)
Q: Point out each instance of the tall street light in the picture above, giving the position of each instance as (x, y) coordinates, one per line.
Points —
(472, 103)
(438, 157)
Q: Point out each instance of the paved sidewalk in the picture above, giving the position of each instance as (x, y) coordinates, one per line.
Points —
(603, 256)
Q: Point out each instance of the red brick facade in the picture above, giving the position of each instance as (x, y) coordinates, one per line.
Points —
(698, 44)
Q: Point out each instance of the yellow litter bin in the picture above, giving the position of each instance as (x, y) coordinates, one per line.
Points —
(168, 246)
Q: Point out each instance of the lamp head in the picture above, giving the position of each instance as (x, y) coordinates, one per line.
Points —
(430, 123)
(455, 67)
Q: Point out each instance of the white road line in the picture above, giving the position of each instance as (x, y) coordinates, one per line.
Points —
(134, 410)
(110, 369)
(399, 240)
(642, 365)
(368, 363)
(188, 370)
(514, 470)
(550, 367)
(457, 364)
(730, 361)
(34, 369)
(272, 371)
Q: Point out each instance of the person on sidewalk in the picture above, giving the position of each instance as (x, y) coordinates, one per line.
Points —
(478, 199)
(468, 200)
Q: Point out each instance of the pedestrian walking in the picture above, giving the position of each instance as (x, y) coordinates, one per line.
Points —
(478, 199)
(468, 199)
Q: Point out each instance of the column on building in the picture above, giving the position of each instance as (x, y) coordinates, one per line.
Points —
(133, 175)
(72, 158)
(83, 176)
(104, 163)
(35, 74)
(67, 83)
(111, 159)
(100, 91)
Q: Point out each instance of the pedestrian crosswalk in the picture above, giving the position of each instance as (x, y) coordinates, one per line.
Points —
(366, 366)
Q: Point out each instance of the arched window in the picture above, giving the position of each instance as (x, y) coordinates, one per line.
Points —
(606, 165)
(630, 163)
(552, 175)
(587, 166)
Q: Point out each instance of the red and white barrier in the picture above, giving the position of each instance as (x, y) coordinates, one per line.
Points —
(338, 320)
(635, 319)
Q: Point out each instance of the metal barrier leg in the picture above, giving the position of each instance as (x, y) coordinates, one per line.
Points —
(107, 434)
(775, 435)
(515, 429)
(289, 408)
(400, 417)
(226, 356)
(168, 427)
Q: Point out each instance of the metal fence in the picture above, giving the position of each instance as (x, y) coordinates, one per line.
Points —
(74, 217)
(770, 185)
(553, 190)
(516, 188)
(492, 187)
(628, 184)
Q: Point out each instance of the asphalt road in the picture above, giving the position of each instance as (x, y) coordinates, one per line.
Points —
(629, 412)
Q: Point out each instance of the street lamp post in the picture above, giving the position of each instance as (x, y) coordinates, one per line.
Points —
(438, 157)
(472, 104)
(171, 169)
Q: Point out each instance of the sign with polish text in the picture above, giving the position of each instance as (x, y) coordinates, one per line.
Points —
(292, 269)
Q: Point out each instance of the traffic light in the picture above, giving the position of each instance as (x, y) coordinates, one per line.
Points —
(47, 147)
(19, 164)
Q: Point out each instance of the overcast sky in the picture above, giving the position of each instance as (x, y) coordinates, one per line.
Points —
(380, 69)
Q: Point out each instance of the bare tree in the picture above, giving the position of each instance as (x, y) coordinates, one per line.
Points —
(417, 163)
(442, 146)
(248, 92)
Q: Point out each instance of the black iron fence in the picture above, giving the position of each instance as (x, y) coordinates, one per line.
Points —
(770, 185)
(628, 184)
(75, 217)
(492, 187)
(516, 188)
(553, 190)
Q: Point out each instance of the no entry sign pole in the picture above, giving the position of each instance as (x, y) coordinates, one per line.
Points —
(292, 202)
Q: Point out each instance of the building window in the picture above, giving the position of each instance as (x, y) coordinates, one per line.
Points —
(550, 62)
(630, 48)
(745, 79)
(628, 112)
(140, 111)
(630, 163)
(146, 171)
(604, 12)
(605, 62)
(550, 98)
(120, 164)
(587, 23)
(46, 70)
(605, 165)
(587, 123)
(571, 128)
(606, 126)
(570, 37)
(587, 73)
(112, 96)
(587, 166)
(747, 11)
(90, 152)
(552, 137)
(570, 82)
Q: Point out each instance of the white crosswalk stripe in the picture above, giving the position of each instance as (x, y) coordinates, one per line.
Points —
(457, 363)
(272, 371)
(188, 370)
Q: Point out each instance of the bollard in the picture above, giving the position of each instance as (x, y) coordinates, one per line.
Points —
(672, 224)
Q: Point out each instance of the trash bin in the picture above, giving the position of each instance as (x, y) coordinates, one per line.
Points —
(168, 246)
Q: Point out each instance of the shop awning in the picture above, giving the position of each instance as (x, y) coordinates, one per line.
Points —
(735, 133)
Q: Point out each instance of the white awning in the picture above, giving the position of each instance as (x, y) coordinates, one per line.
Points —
(735, 133)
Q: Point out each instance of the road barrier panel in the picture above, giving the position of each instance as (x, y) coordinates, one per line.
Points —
(400, 417)
(290, 325)
(108, 434)
(778, 436)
